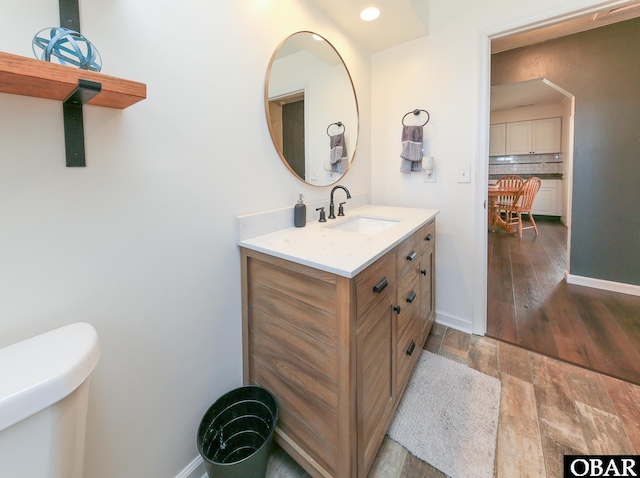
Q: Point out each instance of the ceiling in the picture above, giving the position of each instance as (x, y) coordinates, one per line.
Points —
(568, 27)
(537, 92)
(405, 20)
(400, 21)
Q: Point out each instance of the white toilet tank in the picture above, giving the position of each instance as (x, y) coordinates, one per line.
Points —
(44, 389)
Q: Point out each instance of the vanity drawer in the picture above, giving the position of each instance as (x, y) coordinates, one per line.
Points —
(378, 281)
(407, 349)
(408, 300)
(408, 254)
(408, 326)
(427, 236)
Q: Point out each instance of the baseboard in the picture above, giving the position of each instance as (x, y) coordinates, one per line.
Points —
(457, 323)
(604, 284)
(195, 469)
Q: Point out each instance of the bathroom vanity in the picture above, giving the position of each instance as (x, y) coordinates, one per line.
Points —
(335, 315)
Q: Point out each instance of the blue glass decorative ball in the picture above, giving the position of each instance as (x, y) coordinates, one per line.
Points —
(68, 47)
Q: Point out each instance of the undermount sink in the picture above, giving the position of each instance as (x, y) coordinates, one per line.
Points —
(365, 224)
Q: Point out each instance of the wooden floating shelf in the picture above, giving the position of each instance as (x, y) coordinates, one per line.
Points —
(41, 79)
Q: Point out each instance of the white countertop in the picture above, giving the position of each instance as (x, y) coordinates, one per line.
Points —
(341, 252)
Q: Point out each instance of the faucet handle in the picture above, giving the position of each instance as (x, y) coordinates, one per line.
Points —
(341, 209)
(322, 214)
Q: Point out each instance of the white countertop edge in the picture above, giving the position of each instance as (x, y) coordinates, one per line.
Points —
(320, 266)
(314, 245)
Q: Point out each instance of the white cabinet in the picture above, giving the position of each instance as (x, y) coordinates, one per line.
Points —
(534, 137)
(518, 138)
(548, 201)
(497, 138)
(546, 135)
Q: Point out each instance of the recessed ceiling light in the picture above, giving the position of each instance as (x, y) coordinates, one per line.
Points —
(369, 14)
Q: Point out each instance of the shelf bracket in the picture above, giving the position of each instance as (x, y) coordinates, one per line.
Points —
(72, 106)
(74, 123)
(69, 14)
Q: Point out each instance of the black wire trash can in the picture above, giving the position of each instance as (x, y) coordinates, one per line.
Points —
(235, 434)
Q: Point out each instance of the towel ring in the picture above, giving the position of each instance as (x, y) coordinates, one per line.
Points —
(416, 112)
(338, 124)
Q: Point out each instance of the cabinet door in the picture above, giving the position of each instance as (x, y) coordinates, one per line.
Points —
(548, 201)
(427, 279)
(375, 380)
(519, 137)
(427, 293)
(546, 135)
(497, 138)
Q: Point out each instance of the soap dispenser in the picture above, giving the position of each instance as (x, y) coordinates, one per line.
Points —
(300, 213)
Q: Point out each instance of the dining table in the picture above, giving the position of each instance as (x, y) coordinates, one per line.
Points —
(493, 193)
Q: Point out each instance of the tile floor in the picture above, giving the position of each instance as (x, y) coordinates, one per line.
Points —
(548, 409)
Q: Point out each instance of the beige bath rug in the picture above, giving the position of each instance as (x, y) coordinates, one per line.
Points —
(448, 417)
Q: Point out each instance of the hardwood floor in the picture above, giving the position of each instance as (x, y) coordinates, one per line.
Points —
(529, 304)
(548, 408)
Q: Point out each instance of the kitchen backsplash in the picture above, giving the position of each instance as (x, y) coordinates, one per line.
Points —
(526, 164)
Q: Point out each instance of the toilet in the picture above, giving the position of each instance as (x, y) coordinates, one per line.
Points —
(44, 391)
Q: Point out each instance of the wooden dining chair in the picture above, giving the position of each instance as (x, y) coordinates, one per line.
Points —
(522, 204)
(507, 181)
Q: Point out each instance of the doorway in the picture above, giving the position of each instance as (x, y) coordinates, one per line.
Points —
(532, 29)
(549, 309)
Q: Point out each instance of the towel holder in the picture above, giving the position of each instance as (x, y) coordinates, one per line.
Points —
(417, 112)
(338, 124)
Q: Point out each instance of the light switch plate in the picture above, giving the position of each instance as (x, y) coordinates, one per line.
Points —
(464, 174)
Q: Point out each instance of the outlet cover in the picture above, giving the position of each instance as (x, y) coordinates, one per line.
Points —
(464, 174)
(430, 176)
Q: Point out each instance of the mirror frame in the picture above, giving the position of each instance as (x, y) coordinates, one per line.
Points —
(268, 114)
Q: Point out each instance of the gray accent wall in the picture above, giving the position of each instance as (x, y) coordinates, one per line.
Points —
(601, 67)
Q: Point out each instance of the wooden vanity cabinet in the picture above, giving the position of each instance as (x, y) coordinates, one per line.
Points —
(336, 352)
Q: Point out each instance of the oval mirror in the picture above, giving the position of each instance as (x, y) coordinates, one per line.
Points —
(311, 109)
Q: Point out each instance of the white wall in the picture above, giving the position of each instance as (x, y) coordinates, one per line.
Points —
(447, 74)
(141, 242)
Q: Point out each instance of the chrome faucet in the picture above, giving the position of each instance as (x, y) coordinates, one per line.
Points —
(331, 207)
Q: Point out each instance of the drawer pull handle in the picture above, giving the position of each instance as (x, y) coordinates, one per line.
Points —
(423, 272)
(379, 287)
(411, 297)
(428, 238)
(397, 309)
(412, 256)
(411, 347)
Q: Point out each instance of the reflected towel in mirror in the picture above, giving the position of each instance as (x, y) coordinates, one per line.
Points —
(339, 160)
